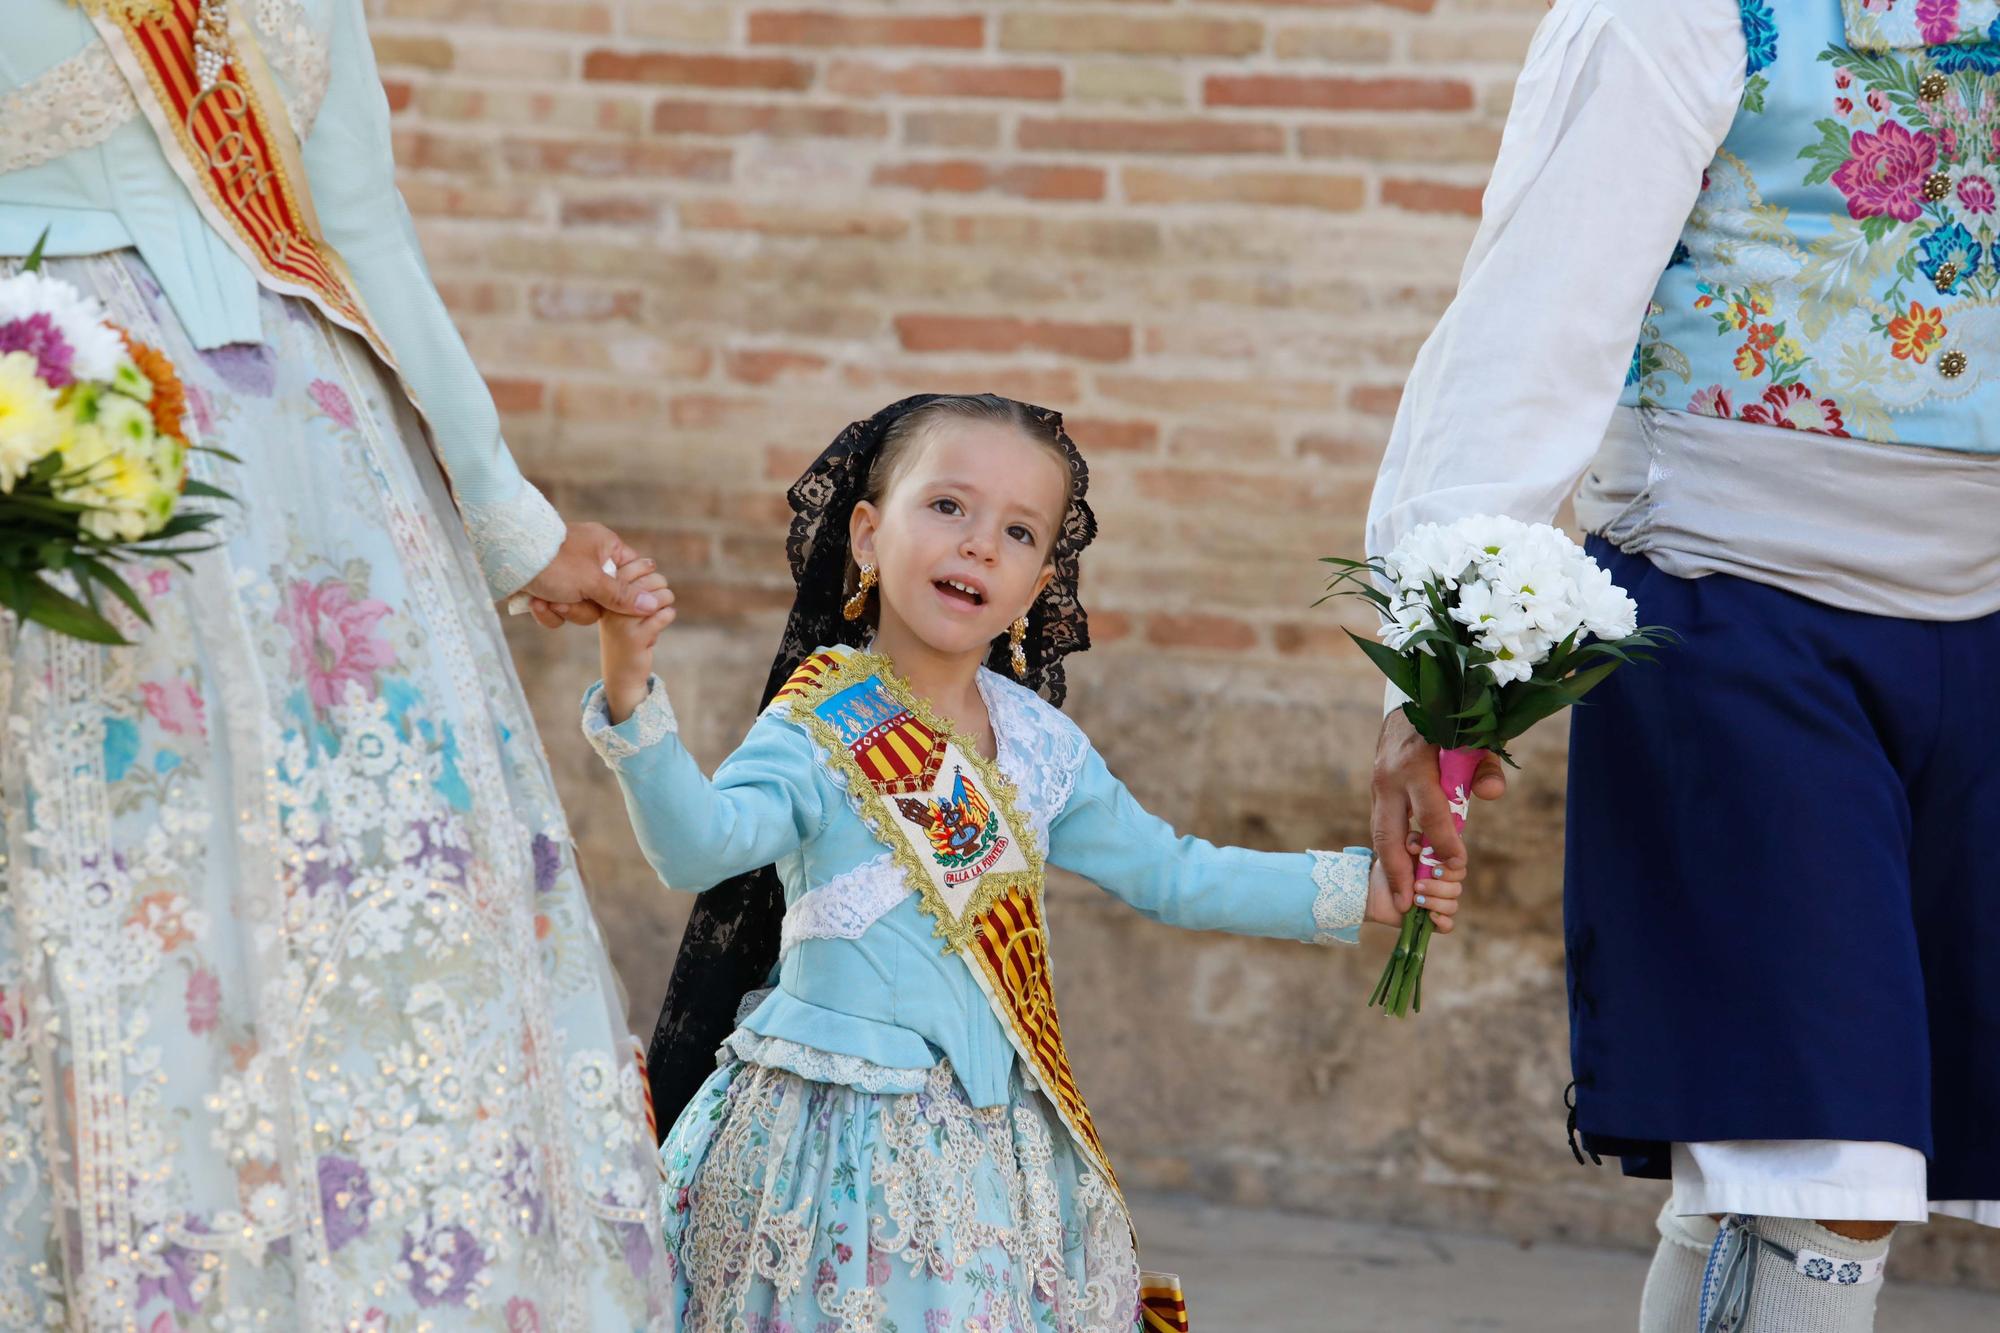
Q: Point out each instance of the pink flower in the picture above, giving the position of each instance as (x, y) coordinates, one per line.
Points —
(332, 400)
(1876, 102)
(1844, 105)
(333, 639)
(1792, 407)
(1975, 194)
(164, 1324)
(159, 582)
(523, 1317)
(177, 706)
(204, 1001)
(1885, 177)
(1842, 79)
(38, 336)
(1938, 20)
(1711, 402)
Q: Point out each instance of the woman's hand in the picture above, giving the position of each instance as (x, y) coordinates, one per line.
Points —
(625, 643)
(580, 582)
(1440, 896)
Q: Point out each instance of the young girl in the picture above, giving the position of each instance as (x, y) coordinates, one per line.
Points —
(894, 1139)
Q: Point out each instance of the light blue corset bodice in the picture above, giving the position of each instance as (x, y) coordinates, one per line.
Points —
(865, 992)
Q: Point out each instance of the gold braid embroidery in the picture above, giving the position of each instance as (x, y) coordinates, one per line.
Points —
(854, 668)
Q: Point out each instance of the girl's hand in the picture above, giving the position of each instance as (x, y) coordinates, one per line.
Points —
(577, 579)
(625, 643)
(1440, 896)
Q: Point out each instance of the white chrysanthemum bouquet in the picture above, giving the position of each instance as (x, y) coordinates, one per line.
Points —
(93, 456)
(1489, 625)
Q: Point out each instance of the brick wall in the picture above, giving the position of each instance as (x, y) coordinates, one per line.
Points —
(688, 241)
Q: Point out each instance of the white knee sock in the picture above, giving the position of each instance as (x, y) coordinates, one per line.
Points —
(1828, 1285)
(1671, 1302)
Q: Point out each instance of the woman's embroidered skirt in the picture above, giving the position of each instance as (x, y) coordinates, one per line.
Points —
(798, 1206)
(304, 1020)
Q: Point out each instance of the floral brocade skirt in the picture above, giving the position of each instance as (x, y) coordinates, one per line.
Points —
(798, 1206)
(304, 1019)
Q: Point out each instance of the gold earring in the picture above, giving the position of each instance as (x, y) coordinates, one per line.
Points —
(1015, 637)
(857, 605)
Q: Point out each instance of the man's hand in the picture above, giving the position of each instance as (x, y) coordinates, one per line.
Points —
(1406, 783)
(575, 589)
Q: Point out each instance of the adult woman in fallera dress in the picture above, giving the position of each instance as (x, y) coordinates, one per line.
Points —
(304, 1020)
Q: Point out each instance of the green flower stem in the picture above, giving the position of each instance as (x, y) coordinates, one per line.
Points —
(1392, 974)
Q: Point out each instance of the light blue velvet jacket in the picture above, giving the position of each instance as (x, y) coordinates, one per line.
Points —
(865, 992)
(79, 159)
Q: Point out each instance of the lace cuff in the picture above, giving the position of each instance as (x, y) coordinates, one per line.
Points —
(651, 722)
(849, 1071)
(515, 539)
(1342, 902)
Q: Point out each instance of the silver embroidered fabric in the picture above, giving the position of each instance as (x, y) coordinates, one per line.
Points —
(655, 716)
(847, 1071)
(1342, 901)
(845, 906)
(82, 101)
(515, 539)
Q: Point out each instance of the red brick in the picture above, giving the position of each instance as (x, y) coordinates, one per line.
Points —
(610, 211)
(951, 129)
(1101, 435)
(1199, 630)
(1433, 197)
(616, 157)
(1306, 93)
(1299, 189)
(772, 120)
(419, 52)
(758, 365)
(1152, 136)
(781, 220)
(794, 27)
(999, 333)
(1380, 400)
(512, 395)
(697, 71)
(961, 176)
(1108, 626)
(399, 93)
(1042, 83)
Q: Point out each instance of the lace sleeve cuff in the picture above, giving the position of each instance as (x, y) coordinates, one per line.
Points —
(1342, 902)
(651, 722)
(515, 539)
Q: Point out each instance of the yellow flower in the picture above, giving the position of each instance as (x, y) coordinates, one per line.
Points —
(31, 419)
(120, 482)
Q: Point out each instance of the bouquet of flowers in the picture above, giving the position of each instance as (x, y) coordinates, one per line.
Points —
(93, 457)
(1489, 625)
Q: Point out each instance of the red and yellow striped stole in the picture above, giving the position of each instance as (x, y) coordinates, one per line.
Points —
(233, 146)
(1162, 1308)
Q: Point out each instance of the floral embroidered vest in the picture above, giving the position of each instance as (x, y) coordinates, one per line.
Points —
(1840, 272)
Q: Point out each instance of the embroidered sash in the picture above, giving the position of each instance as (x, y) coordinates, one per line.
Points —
(948, 817)
(200, 77)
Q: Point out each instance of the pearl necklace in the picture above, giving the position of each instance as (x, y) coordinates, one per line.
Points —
(211, 42)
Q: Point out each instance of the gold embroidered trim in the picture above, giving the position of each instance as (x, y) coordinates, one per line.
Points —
(958, 932)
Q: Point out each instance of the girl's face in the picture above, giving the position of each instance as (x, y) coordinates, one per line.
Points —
(961, 542)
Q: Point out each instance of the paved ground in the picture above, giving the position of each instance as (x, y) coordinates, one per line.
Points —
(1265, 1272)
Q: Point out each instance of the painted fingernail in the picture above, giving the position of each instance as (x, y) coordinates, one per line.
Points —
(647, 602)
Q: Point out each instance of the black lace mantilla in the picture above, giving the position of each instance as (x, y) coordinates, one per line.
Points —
(731, 944)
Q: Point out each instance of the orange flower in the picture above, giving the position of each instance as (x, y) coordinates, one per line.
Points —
(169, 403)
(1764, 336)
(1918, 333)
(1749, 361)
(161, 913)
